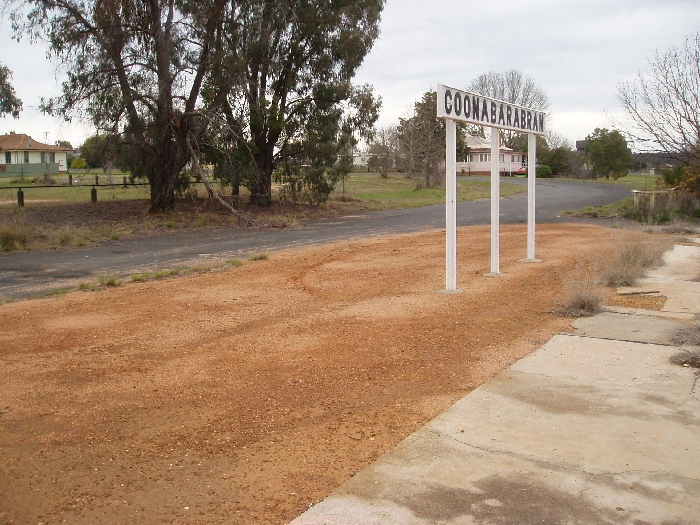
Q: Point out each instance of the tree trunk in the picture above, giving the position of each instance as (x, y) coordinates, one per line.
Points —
(261, 192)
(170, 158)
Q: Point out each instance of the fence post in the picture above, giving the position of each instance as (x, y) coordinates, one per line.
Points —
(97, 180)
(20, 198)
(93, 195)
(125, 181)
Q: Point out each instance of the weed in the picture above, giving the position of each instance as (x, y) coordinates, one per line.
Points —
(628, 261)
(582, 299)
(234, 262)
(109, 281)
(689, 335)
(689, 358)
(140, 277)
(260, 257)
(14, 235)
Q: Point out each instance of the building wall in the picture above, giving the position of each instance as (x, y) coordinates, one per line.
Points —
(481, 164)
(33, 162)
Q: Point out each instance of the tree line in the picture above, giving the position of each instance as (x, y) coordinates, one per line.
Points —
(254, 85)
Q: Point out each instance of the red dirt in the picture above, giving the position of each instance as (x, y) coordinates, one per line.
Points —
(244, 396)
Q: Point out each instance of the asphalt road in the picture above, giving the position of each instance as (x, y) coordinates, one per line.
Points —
(35, 273)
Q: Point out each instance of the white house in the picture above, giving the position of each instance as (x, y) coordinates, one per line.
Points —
(479, 160)
(22, 155)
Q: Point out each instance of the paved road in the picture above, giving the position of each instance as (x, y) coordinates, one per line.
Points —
(26, 274)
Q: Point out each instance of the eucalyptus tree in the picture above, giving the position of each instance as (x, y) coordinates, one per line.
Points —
(609, 153)
(134, 67)
(9, 102)
(286, 85)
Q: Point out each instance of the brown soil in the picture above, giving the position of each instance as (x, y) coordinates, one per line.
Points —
(245, 396)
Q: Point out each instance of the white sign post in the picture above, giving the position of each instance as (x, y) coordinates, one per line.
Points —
(453, 105)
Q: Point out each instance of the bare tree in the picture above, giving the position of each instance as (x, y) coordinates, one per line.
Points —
(384, 150)
(513, 87)
(664, 102)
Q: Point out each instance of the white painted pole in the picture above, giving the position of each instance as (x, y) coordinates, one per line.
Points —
(531, 175)
(495, 201)
(451, 206)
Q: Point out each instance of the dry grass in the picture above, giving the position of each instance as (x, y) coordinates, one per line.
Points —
(582, 296)
(629, 259)
(689, 358)
(15, 234)
(619, 264)
(690, 335)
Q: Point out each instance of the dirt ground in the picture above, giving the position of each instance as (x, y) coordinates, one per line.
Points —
(244, 396)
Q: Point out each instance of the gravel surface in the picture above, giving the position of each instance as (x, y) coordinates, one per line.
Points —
(244, 396)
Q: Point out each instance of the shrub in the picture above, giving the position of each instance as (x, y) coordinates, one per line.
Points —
(582, 297)
(629, 259)
(14, 235)
(543, 172)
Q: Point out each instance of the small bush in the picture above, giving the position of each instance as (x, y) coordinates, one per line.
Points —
(260, 257)
(688, 336)
(689, 358)
(234, 262)
(109, 281)
(584, 301)
(582, 297)
(629, 260)
(543, 172)
(14, 235)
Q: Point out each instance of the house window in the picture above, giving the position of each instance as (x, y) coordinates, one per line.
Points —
(514, 158)
(502, 158)
(8, 157)
(484, 157)
(26, 157)
(47, 157)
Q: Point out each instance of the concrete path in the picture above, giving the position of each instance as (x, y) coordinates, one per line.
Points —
(596, 427)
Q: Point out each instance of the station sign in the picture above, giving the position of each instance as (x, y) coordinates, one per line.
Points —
(477, 109)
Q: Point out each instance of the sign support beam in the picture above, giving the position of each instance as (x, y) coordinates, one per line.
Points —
(495, 204)
(531, 176)
(451, 207)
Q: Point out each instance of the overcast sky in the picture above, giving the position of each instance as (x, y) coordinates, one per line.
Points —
(577, 51)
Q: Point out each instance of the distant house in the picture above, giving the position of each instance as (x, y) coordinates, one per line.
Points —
(478, 161)
(21, 155)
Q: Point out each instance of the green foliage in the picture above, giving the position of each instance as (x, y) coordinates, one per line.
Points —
(78, 163)
(297, 100)
(100, 151)
(609, 153)
(543, 172)
(9, 103)
(675, 176)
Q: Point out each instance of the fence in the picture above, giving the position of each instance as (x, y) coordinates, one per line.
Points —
(93, 187)
(648, 202)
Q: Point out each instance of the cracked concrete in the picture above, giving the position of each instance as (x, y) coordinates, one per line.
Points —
(596, 427)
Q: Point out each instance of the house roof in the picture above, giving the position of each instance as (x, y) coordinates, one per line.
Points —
(22, 142)
(477, 143)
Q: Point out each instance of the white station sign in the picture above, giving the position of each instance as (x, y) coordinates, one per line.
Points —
(476, 109)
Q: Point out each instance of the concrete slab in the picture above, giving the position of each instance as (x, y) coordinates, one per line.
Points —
(582, 431)
(628, 327)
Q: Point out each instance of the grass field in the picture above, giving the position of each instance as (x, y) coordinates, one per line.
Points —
(365, 191)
